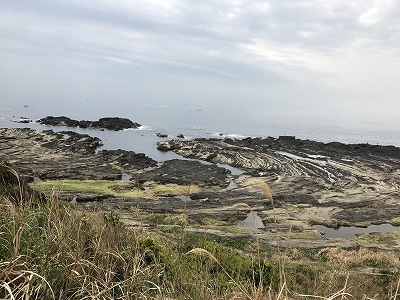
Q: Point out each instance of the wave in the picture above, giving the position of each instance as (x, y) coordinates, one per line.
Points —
(157, 106)
(228, 135)
(142, 127)
(196, 128)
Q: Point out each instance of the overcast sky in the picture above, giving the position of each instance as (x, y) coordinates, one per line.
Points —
(308, 55)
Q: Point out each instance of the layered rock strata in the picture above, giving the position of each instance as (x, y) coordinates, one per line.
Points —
(54, 155)
(360, 182)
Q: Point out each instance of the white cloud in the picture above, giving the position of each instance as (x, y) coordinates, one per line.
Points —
(118, 60)
(376, 12)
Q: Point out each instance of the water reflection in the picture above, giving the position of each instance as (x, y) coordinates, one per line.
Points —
(234, 171)
(36, 179)
(351, 231)
(125, 177)
(252, 222)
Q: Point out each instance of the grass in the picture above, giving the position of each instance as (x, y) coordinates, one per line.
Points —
(308, 235)
(362, 257)
(63, 253)
(395, 221)
(54, 250)
(380, 239)
(291, 208)
(114, 188)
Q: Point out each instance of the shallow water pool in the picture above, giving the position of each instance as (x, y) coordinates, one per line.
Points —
(252, 222)
(351, 231)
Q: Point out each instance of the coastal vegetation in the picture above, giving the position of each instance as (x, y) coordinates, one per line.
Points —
(114, 188)
(52, 249)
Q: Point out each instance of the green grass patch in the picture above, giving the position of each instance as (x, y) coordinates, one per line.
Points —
(291, 208)
(306, 235)
(165, 219)
(83, 186)
(376, 238)
(115, 188)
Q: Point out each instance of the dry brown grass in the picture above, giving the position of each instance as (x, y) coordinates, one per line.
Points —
(19, 283)
(263, 186)
(362, 257)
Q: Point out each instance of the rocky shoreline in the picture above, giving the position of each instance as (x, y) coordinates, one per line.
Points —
(359, 183)
(332, 184)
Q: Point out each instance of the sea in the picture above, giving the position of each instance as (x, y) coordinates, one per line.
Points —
(196, 121)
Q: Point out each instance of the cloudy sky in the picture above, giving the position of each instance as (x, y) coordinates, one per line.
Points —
(334, 56)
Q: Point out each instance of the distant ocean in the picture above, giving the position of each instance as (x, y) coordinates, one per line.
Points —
(197, 121)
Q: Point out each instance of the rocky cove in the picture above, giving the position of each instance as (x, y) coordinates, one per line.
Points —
(330, 184)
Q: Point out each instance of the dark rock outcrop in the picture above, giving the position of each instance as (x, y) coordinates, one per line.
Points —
(113, 123)
(72, 142)
(186, 172)
(128, 159)
(23, 120)
(58, 121)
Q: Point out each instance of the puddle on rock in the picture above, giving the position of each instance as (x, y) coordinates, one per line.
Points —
(351, 231)
(252, 222)
(231, 186)
(125, 177)
(36, 179)
(183, 197)
(234, 171)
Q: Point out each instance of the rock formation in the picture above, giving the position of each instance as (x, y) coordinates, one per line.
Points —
(113, 123)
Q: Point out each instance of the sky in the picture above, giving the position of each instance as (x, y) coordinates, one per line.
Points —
(305, 56)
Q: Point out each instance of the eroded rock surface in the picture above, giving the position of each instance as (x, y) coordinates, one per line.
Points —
(54, 155)
(361, 182)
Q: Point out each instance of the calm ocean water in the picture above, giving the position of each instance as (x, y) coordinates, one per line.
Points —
(197, 121)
